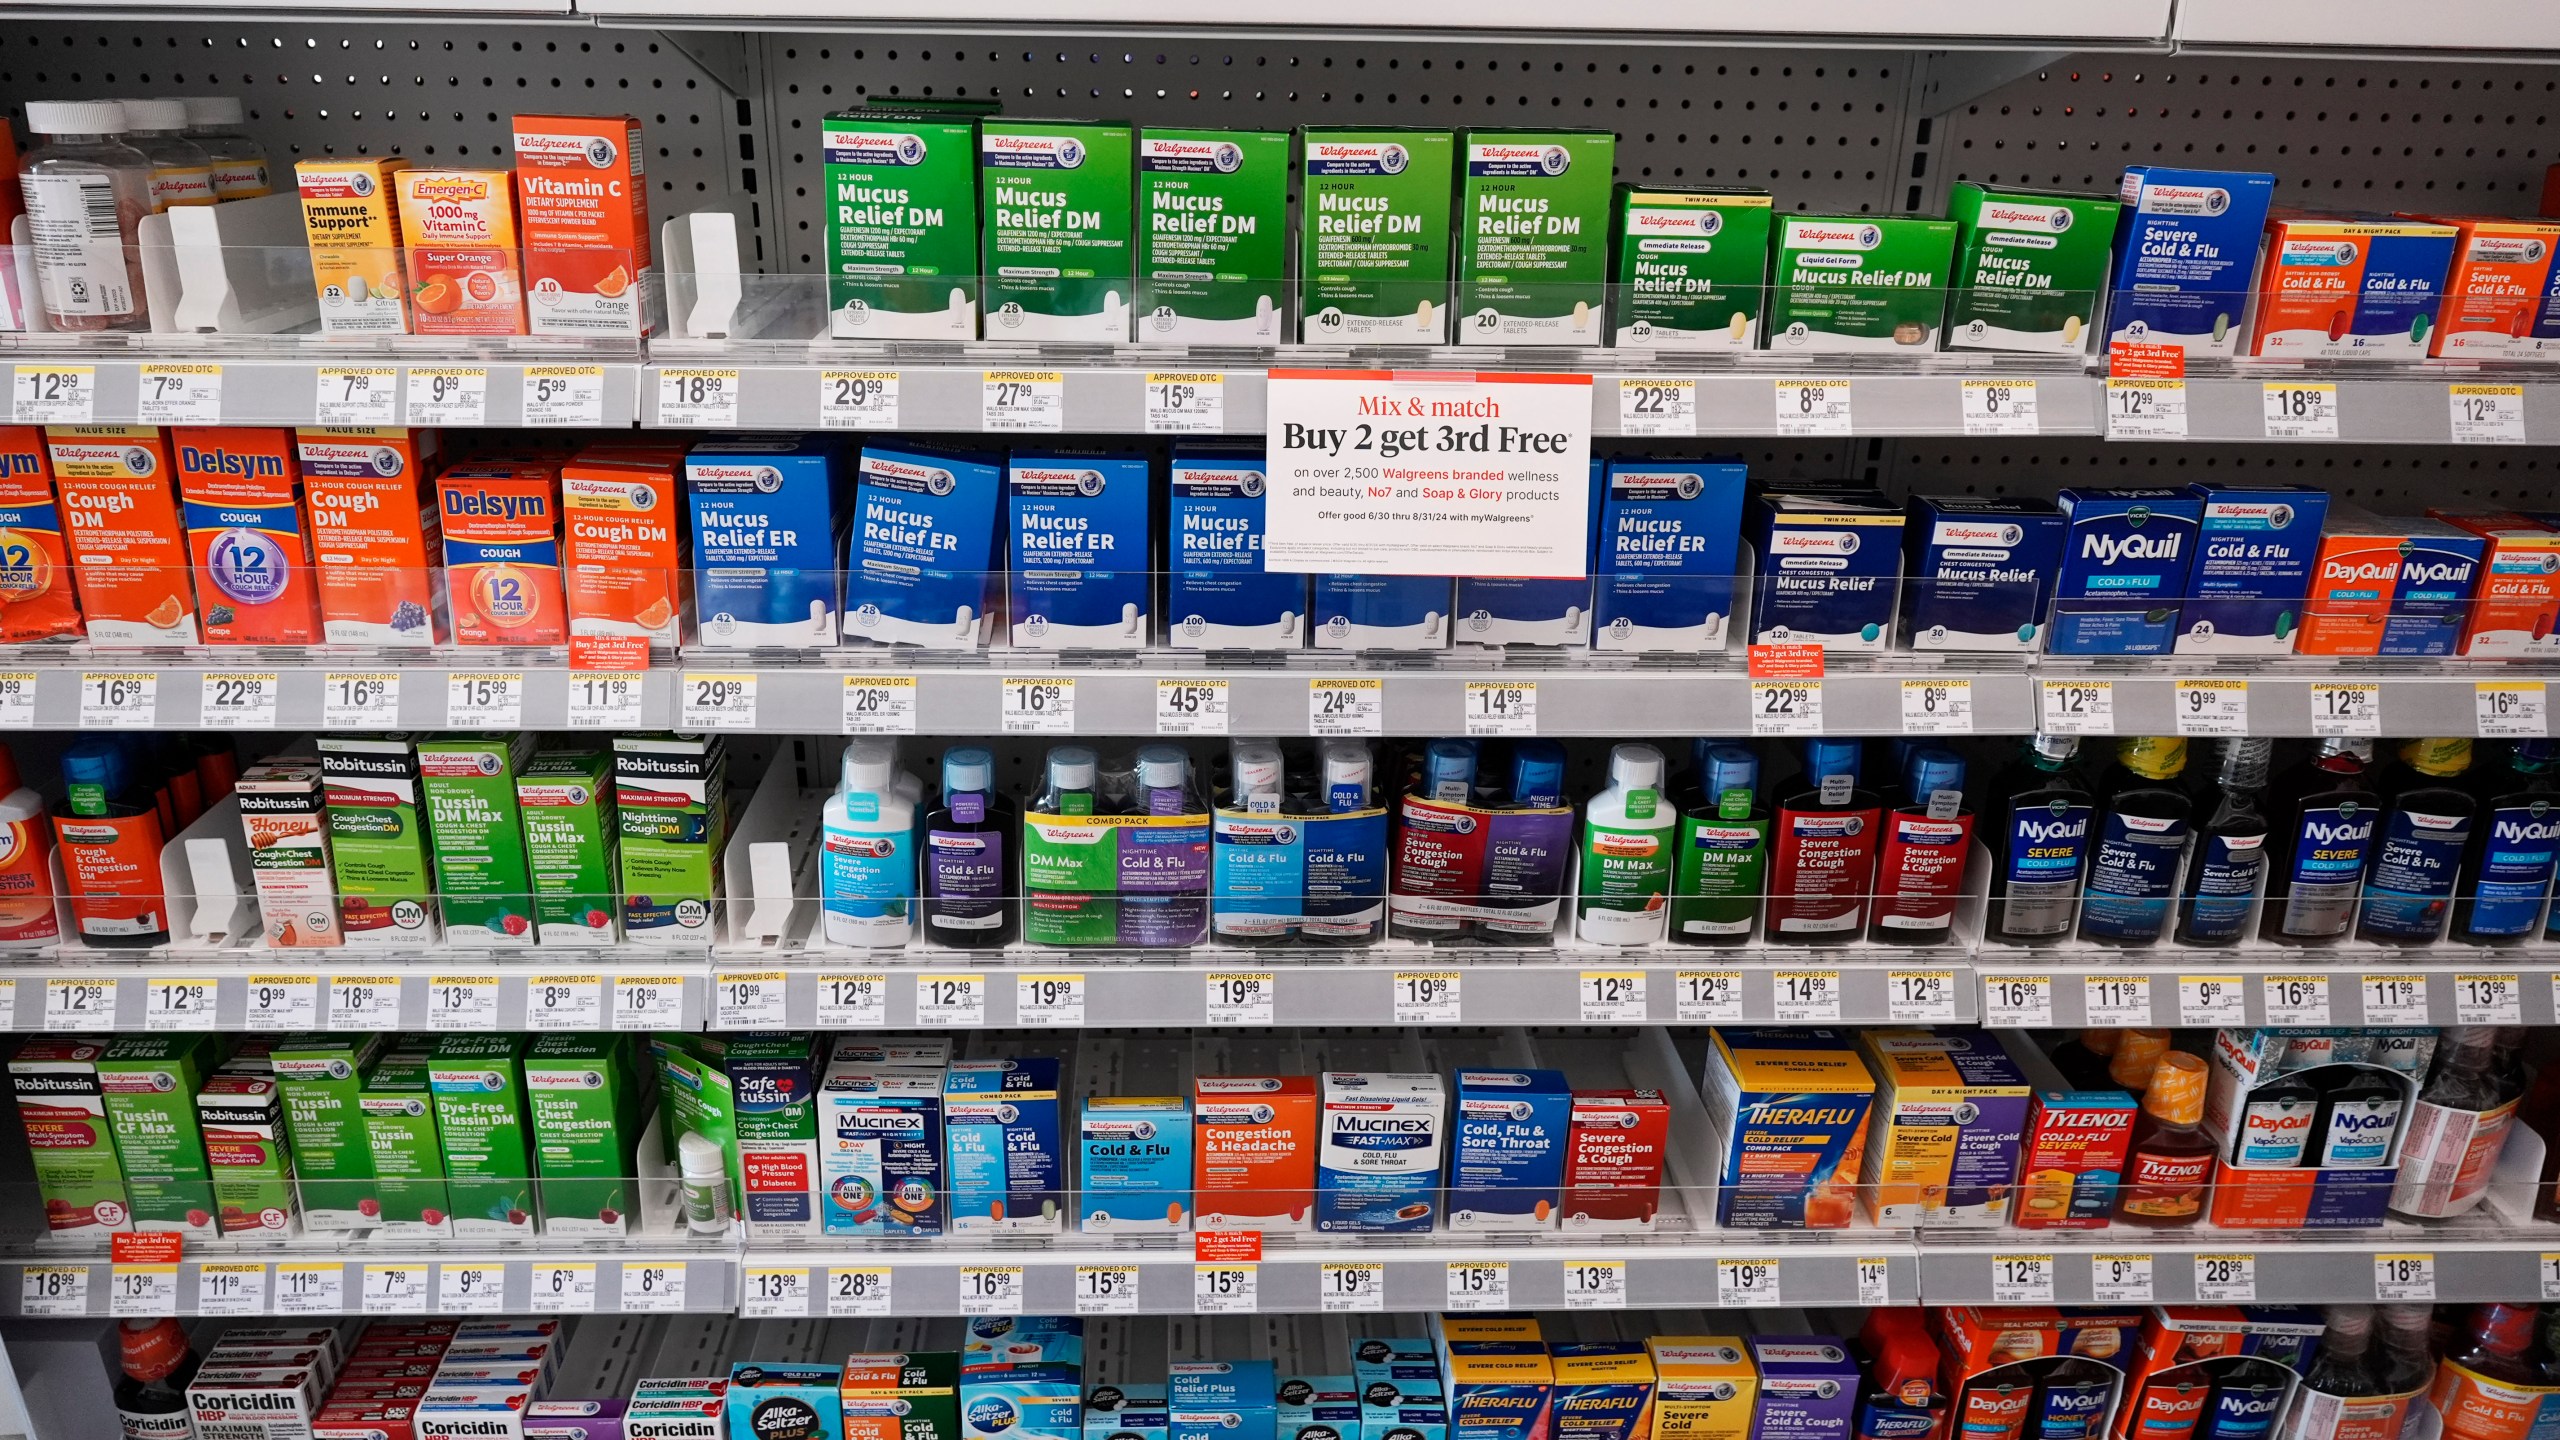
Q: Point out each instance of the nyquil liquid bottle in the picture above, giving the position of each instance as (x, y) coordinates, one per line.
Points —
(2322, 816)
(2506, 876)
(2040, 842)
(2231, 849)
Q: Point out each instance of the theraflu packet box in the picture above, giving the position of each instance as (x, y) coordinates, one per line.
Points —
(1827, 568)
(2125, 563)
(1136, 1171)
(376, 533)
(1254, 1147)
(1978, 572)
(2186, 244)
(902, 225)
(921, 559)
(2030, 268)
(1950, 1110)
(2389, 586)
(502, 554)
(1603, 1391)
(1055, 233)
(1507, 1149)
(37, 602)
(2254, 549)
(1381, 612)
(1791, 1109)
(241, 492)
(1079, 578)
(1379, 1165)
(1691, 268)
(1007, 1154)
(880, 1151)
(766, 514)
(2502, 296)
(128, 544)
(2519, 591)
(1533, 252)
(1859, 283)
(1213, 236)
(1218, 596)
(1374, 261)
(2349, 289)
(1216, 1399)
(1665, 559)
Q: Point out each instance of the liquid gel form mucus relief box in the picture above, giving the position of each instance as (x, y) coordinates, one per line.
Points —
(1006, 1149)
(1374, 261)
(1533, 232)
(1978, 572)
(1664, 561)
(1379, 1165)
(2186, 244)
(1218, 596)
(1859, 283)
(2396, 586)
(1950, 1114)
(766, 511)
(1790, 1108)
(1213, 236)
(2349, 289)
(2030, 268)
(1507, 1149)
(1079, 578)
(1827, 565)
(2126, 557)
(921, 557)
(902, 225)
(1691, 268)
(1055, 235)
(2252, 575)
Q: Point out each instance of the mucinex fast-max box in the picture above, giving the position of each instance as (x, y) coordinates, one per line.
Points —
(2349, 289)
(1378, 1168)
(240, 490)
(2186, 244)
(2389, 586)
(2252, 574)
(1079, 577)
(921, 556)
(880, 1150)
(2126, 557)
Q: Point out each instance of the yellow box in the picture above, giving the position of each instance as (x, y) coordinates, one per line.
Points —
(352, 220)
(1603, 1391)
(1488, 1327)
(1950, 1117)
(1703, 1387)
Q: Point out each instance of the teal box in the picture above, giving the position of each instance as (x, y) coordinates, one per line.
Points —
(993, 1342)
(1005, 1156)
(1401, 1397)
(1317, 1407)
(803, 1402)
(1135, 1412)
(1022, 1402)
(1221, 1399)
(1137, 1165)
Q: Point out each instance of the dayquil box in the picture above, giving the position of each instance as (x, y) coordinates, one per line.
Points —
(626, 566)
(2031, 267)
(2389, 586)
(1859, 283)
(460, 229)
(902, 224)
(2349, 289)
(1692, 268)
(1533, 236)
(2502, 296)
(1373, 262)
(586, 223)
(282, 819)
(1704, 1387)
(1790, 1108)
(351, 216)
(323, 1078)
(128, 544)
(37, 602)
(565, 799)
(1950, 1108)
(251, 1160)
(1054, 196)
(470, 787)
(73, 1148)
(478, 1085)
(376, 533)
(149, 1083)
(501, 525)
(2518, 596)
(584, 1103)
(378, 851)
(671, 806)
(1079, 577)
(1213, 236)
(1254, 1149)
(241, 492)
(397, 1106)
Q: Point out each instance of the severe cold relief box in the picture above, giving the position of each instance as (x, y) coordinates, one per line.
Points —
(2186, 243)
(1951, 1112)
(1790, 1111)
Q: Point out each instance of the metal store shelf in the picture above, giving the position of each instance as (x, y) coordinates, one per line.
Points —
(2273, 1267)
(361, 1280)
(2345, 985)
(265, 391)
(339, 989)
(409, 697)
(2492, 26)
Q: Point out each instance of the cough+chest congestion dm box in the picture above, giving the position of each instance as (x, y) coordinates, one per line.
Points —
(1828, 564)
(1859, 283)
(1007, 1154)
(37, 601)
(1507, 1149)
(2031, 268)
(283, 819)
(880, 1150)
(1691, 268)
(1665, 560)
(1079, 578)
(2364, 289)
(1055, 196)
(2518, 597)
(2252, 576)
(1374, 259)
(921, 558)
(1221, 1400)
(1255, 1142)
(1978, 572)
(1379, 1165)
(2186, 245)
(768, 513)
(902, 224)
(1790, 1108)
(128, 543)
(1950, 1113)
(2126, 560)
(1213, 236)
(376, 533)
(1136, 1170)
(1533, 237)
(1218, 596)
(378, 851)
(501, 525)
(2396, 586)
(2502, 296)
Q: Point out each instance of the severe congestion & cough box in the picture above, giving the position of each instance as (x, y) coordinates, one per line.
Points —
(586, 223)
(1790, 1108)
(241, 492)
(376, 534)
(128, 545)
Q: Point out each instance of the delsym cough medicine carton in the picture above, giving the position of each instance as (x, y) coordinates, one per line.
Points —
(1859, 283)
(241, 491)
(1079, 578)
(2252, 575)
(2186, 246)
(2031, 268)
(1664, 563)
(2349, 289)
(2126, 559)
(1790, 1108)
(37, 602)
(1950, 1112)
(1978, 572)
(1374, 259)
(1691, 268)
(767, 512)
(1507, 1149)
(2502, 296)
(1827, 565)
(502, 554)
(1007, 1154)
(921, 558)
(1383, 1138)
(2396, 586)
(1213, 236)
(902, 224)
(1218, 595)
(1533, 236)
(1055, 234)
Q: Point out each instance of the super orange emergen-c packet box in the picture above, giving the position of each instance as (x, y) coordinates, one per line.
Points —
(460, 227)
(623, 544)
(373, 525)
(586, 223)
(240, 489)
(128, 549)
(36, 599)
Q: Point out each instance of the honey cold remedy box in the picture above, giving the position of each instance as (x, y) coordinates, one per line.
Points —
(1055, 230)
(1533, 236)
(148, 1084)
(478, 1086)
(323, 1078)
(378, 851)
(671, 810)
(470, 789)
(73, 1149)
(902, 225)
(351, 216)
(128, 545)
(1213, 236)
(1859, 283)
(1692, 268)
(2030, 268)
(1374, 259)
(283, 820)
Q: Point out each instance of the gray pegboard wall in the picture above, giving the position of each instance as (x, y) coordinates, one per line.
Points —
(2393, 479)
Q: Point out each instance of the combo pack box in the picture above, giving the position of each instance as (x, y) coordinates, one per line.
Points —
(1055, 195)
(2186, 246)
(585, 196)
(2389, 586)
(1827, 567)
(128, 543)
(920, 567)
(1704, 1387)
(1533, 236)
(1978, 572)
(1950, 1110)
(1859, 283)
(1790, 1108)
(1374, 260)
(1691, 268)
(2349, 289)
(2502, 296)
(2252, 576)
(1217, 594)
(768, 514)
(902, 224)
(1135, 1170)
(1507, 1149)
(1665, 559)
(470, 788)
(2126, 558)
(1007, 1153)
(2031, 268)
(241, 492)
(1079, 578)
(1254, 1151)
(880, 1150)
(376, 533)
(1379, 1165)
(2518, 597)
(1213, 236)
(378, 853)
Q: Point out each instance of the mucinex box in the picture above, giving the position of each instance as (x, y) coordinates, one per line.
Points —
(1220, 1399)
(1507, 1149)
(2186, 243)
(1978, 572)
(902, 224)
(1533, 232)
(1055, 196)
(880, 1150)
(1859, 283)
(1951, 1111)
(1005, 1149)
(1664, 563)
(1213, 236)
(1379, 1165)
(1826, 569)
(2252, 573)
(2389, 586)
(2031, 268)
(1374, 260)
(766, 516)
(1514, 610)
(1136, 1171)
(2363, 289)
(920, 565)
(2126, 557)
(1691, 268)
(1790, 1108)
(1079, 578)
(1217, 595)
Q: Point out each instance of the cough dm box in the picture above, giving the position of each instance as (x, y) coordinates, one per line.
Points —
(1375, 255)
(1533, 230)
(2126, 557)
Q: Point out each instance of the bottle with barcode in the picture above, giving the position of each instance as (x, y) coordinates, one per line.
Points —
(86, 191)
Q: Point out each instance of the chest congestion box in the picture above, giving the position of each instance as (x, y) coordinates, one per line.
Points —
(1254, 1139)
(1827, 566)
(1978, 572)
(1006, 1152)
(1691, 268)
(921, 558)
(2502, 296)
(1507, 1149)
(1056, 199)
(1218, 596)
(2030, 266)
(1791, 1108)
(1533, 251)
(1079, 578)
(2518, 596)
(1136, 1174)
(1220, 1400)
(767, 514)
(1513, 610)
(1808, 1387)
(902, 225)
(2389, 586)
(1949, 1113)
(1664, 561)
(2125, 564)
(1374, 258)
(1213, 236)
(2252, 574)
(1859, 283)
(2186, 244)
(1379, 1165)
(2349, 289)
(880, 1150)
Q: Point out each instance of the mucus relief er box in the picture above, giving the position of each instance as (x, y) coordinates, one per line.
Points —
(920, 561)
(1079, 578)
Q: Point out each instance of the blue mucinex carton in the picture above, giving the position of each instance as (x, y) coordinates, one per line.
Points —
(1978, 573)
(2255, 545)
(1401, 1397)
(920, 557)
(768, 513)
(1509, 610)
(1136, 1172)
(1318, 1407)
(1002, 1143)
(1507, 1149)
(1130, 1412)
(1217, 595)
(1378, 1161)
(1380, 612)
(1827, 566)
(880, 1150)
(2186, 247)
(1664, 561)
(2126, 558)
(1221, 1399)
(1080, 578)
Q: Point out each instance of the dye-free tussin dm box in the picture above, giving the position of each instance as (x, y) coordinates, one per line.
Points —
(2125, 562)
(902, 224)
(1213, 236)
(1079, 578)
(1378, 1168)
(1978, 572)
(1136, 1170)
(324, 1077)
(768, 512)
(470, 787)
(1507, 1149)
(1217, 595)
(478, 1085)
(378, 852)
(1533, 236)
(2031, 268)
(1374, 261)
(1055, 232)
(1007, 1153)
(2186, 243)
(149, 1084)
(2252, 573)
(1859, 283)
(1664, 561)
(921, 557)
(1692, 268)
(1828, 563)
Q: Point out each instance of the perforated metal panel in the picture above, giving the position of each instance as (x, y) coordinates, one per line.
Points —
(2389, 478)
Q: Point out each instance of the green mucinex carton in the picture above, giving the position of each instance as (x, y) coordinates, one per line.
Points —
(470, 787)
(1533, 236)
(1692, 268)
(1859, 283)
(149, 1084)
(584, 1103)
(378, 851)
(478, 1084)
(323, 1077)
(1055, 233)
(408, 1158)
(1374, 256)
(902, 224)
(565, 798)
(2029, 268)
(1213, 236)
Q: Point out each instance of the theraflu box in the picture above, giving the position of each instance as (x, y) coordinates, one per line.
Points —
(1379, 1165)
(1380, 612)
(921, 559)
(880, 1151)
(2502, 296)
(1136, 1170)
(767, 512)
(1665, 560)
(1533, 232)
(1218, 596)
(1079, 578)
(241, 492)
(37, 602)
(2030, 268)
(2392, 586)
(1254, 1143)
(1213, 236)
(1978, 572)
(376, 533)
(1692, 268)
(1791, 1109)
(1859, 283)
(1002, 1137)
(1950, 1110)
(502, 554)
(2254, 549)
(128, 543)
(2349, 289)
(2518, 595)
(1827, 566)
(1603, 1391)
(902, 224)
(2125, 564)
(1374, 259)
(2186, 244)
(1498, 1388)
(1507, 1149)
(1055, 232)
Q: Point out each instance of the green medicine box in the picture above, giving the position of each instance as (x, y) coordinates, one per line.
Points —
(1533, 236)
(1859, 284)
(149, 1084)
(408, 1157)
(671, 806)
(1055, 196)
(1213, 236)
(478, 1084)
(585, 1108)
(1692, 268)
(323, 1077)
(902, 224)
(470, 788)
(378, 851)
(1374, 256)
(565, 798)
(2030, 266)
(252, 1162)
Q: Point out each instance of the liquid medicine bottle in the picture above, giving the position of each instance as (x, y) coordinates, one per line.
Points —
(2170, 1163)
(86, 191)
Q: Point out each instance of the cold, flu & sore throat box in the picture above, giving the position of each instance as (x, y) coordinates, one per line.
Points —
(1533, 236)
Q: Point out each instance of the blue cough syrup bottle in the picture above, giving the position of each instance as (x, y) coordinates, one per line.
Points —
(2506, 875)
(1524, 875)
(2231, 848)
(1346, 862)
(969, 863)
(2139, 839)
(867, 870)
(2428, 813)
(2324, 812)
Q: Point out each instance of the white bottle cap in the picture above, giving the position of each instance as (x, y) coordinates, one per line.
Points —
(1071, 768)
(1346, 762)
(869, 767)
(700, 1157)
(1258, 768)
(1637, 767)
(75, 117)
(155, 114)
(206, 112)
(1160, 767)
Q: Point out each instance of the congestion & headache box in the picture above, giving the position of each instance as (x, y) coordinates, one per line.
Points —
(1790, 1108)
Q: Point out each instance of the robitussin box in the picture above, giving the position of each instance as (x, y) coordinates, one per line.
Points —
(2252, 575)
(1665, 557)
(2126, 559)
(1827, 565)
(1978, 572)
(2390, 586)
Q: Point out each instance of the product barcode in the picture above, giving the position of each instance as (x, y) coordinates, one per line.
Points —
(98, 209)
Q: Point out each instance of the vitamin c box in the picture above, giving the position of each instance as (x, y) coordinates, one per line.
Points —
(1375, 255)
(586, 223)
(1692, 266)
(2518, 596)
(2502, 297)
(1791, 1107)
(376, 534)
(241, 493)
(2390, 586)
(1533, 251)
(2350, 289)
(1255, 1142)
(351, 215)
(37, 601)
(128, 544)
(460, 229)
(501, 528)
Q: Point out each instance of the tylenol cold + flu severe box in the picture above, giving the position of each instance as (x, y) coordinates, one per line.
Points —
(501, 526)
(351, 216)
(1791, 1109)
(1254, 1139)
(37, 600)
(586, 223)
(241, 492)
(2186, 245)
(2349, 289)
(376, 535)
(128, 544)
(626, 564)
(2502, 296)
(2390, 586)
(2518, 596)
(460, 229)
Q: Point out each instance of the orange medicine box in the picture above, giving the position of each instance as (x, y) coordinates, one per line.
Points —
(2501, 300)
(240, 490)
(351, 217)
(460, 227)
(128, 547)
(1253, 1151)
(373, 527)
(623, 543)
(502, 554)
(2518, 598)
(36, 599)
(586, 223)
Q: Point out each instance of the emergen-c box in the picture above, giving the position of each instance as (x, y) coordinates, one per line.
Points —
(470, 787)
(2389, 586)
(2186, 243)
(1079, 578)
(1533, 231)
(378, 853)
(1978, 572)
(1692, 268)
(768, 516)
(1507, 1149)
(902, 224)
(148, 1084)
(1378, 1168)
(2126, 557)
(1373, 263)
(1217, 595)
(1055, 235)
(1213, 236)
(2252, 574)
(1828, 563)
(921, 558)
(1859, 283)
(1664, 561)
(2031, 268)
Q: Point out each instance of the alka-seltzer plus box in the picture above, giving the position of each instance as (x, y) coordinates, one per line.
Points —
(1055, 237)
(1978, 572)
(902, 224)
(2252, 576)
(1827, 565)
(1664, 564)
(1213, 236)
(1007, 1151)
(1692, 268)
(921, 558)
(1791, 1107)
(1378, 1168)
(281, 818)
(378, 851)
(2126, 558)
(1079, 578)
(1533, 232)
(2396, 586)
(1859, 283)
(2031, 268)
(1217, 595)
(786, 1402)
(1507, 1149)
(2349, 289)
(1374, 261)
(2186, 245)
(767, 517)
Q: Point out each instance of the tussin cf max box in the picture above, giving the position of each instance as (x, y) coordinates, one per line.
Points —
(1533, 254)
(1213, 236)
(1373, 264)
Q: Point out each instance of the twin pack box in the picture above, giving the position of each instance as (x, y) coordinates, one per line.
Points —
(1079, 578)
(1055, 237)
(1533, 238)
(1218, 596)
(2126, 558)
(1978, 572)
(2391, 586)
(1827, 567)
(1214, 236)
(1374, 259)
(2186, 246)
(902, 225)
(766, 511)
(1005, 1145)
(1691, 268)
(1665, 558)
(921, 559)
(2255, 545)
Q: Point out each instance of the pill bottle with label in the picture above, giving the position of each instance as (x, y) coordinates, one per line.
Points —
(181, 171)
(86, 190)
(218, 123)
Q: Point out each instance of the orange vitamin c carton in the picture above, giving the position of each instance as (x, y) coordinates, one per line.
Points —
(460, 226)
(502, 554)
(586, 223)
(1253, 1152)
(128, 545)
(623, 546)
(240, 490)
(373, 527)
(36, 600)
(351, 217)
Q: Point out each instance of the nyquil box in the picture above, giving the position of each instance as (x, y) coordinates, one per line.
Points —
(902, 225)
(766, 516)
(1213, 236)
(1218, 596)
(1978, 572)
(1664, 559)
(2252, 574)
(1374, 262)
(1510, 610)
(1827, 566)
(2186, 245)
(920, 560)
(1506, 1163)
(1378, 1168)
(1056, 229)
(2125, 562)
(1080, 578)
(1533, 233)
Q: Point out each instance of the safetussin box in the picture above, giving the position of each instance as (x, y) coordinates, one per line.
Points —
(2519, 592)
(241, 492)
(128, 545)
(376, 534)
(1790, 1110)
(37, 601)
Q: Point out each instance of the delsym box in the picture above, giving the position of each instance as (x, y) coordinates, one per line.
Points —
(1136, 1164)
(1379, 1165)
(1217, 594)
(37, 603)
(1056, 200)
(1507, 1149)
(767, 512)
(128, 544)
(1254, 1151)
(241, 491)
(902, 225)
(1950, 1111)
(1978, 572)
(1007, 1153)
(502, 554)
(880, 1151)
(1691, 268)
(1791, 1107)
(921, 559)
(2502, 296)
(1859, 283)
(2252, 575)
(1213, 237)
(2393, 586)
(376, 533)
(1533, 252)
(1665, 560)
(2030, 268)
(1808, 1387)
(2518, 595)
(2186, 245)
(1374, 261)
(1079, 577)
(1514, 610)
(2349, 289)
(1827, 567)
(2125, 564)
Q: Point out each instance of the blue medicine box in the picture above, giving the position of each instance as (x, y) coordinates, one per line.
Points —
(1979, 574)
(1221, 1400)
(2186, 252)
(1318, 1407)
(1664, 562)
(1003, 1147)
(921, 558)
(1080, 530)
(2126, 558)
(1137, 1165)
(1507, 610)
(1218, 596)
(1134, 1412)
(1506, 1165)
(1827, 567)
(2255, 545)
(768, 513)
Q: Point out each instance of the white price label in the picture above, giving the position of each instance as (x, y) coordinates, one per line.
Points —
(449, 395)
(283, 1003)
(1875, 1281)
(853, 1002)
(2486, 414)
(748, 1000)
(1349, 708)
(2488, 1000)
(1191, 707)
(1920, 995)
(231, 1289)
(315, 1287)
(1806, 995)
(2295, 999)
(356, 395)
(951, 1000)
(652, 1288)
(1241, 997)
(1051, 1000)
(716, 702)
(1478, 1285)
(2226, 1279)
(1106, 1289)
(565, 395)
(1747, 1284)
(137, 1290)
(484, 700)
(471, 1289)
(879, 705)
(2001, 407)
(2404, 1277)
(2116, 1002)
(2079, 707)
(2022, 1279)
(1038, 705)
(180, 395)
(1937, 707)
(462, 1002)
(1186, 402)
(2346, 709)
(56, 394)
(1655, 405)
(17, 700)
(1786, 707)
(990, 1289)
(1502, 707)
(234, 701)
(360, 700)
(179, 1004)
(2146, 409)
(393, 1290)
(698, 398)
(2510, 709)
(2019, 1001)
(364, 1002)
(564, 1287)
(2300, 412)
(53, 1290)
(77, 1004)
(1352, 1288)
(1022, 400)
(2213, 707)
(2394, 999)
(775, 1292)
(857, 399)
(1426, 997)
(564, 1002)
(648, 1002)
(858, 1290)
(119, 700)
(606, 699)
(2549, 1270)
(1612, 997)
(2120, 1279)
(1813, 407)
(1226, 1288)
(2212, 1000)
(1701, 997)
(1595, 1284)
